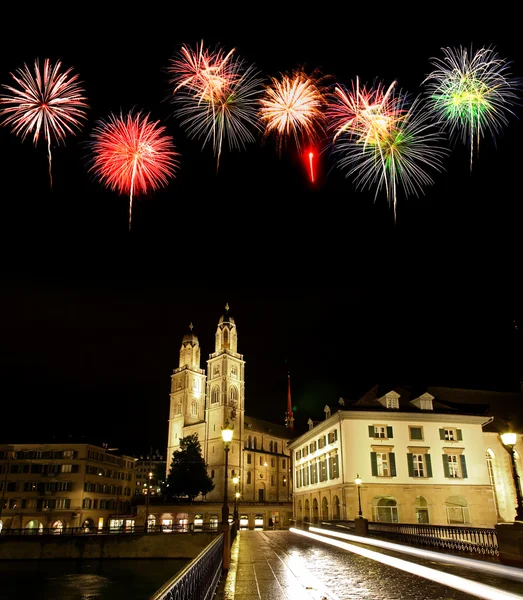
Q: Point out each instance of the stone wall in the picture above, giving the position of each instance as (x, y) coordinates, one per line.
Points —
(161, 545)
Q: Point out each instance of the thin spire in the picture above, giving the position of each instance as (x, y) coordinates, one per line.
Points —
(289, 416)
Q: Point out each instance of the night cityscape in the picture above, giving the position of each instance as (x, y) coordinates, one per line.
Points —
(256, 282)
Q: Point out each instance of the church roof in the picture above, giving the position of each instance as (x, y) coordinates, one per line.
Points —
(190, 336)
(227, 317)
(261, 426)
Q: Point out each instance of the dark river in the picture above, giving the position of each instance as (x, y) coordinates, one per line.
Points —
(136, 579)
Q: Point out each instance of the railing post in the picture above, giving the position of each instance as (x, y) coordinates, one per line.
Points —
(226, 546)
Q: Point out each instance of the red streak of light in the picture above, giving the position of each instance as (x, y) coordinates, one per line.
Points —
(311, 156)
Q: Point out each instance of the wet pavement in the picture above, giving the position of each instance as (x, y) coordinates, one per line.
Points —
(283, 565)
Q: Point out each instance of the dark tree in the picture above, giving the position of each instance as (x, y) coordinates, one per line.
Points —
(188, 473)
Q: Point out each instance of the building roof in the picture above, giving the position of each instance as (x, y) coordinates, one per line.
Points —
(261, 426)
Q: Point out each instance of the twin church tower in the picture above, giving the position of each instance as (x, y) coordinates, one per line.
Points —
(203, 402)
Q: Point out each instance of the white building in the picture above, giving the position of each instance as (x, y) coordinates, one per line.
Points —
(420, 460)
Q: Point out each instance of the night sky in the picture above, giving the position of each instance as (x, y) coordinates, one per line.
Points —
(321, 279)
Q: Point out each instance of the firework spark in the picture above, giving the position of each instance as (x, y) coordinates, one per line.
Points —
(216, 97)
(293, 106)
(471, 93)
(383, 141)
(48, 102)
(131, 155)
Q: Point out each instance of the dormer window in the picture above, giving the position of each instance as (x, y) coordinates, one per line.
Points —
(423, 402)
(390, 400)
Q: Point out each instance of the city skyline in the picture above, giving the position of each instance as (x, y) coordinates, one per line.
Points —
(93, 313)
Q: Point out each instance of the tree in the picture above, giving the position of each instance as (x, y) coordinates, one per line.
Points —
(188, 472)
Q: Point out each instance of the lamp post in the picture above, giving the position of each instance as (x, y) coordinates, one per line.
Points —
(235, 480)
(227, 431)
(358, 482)
(509, 441)
(150, 475)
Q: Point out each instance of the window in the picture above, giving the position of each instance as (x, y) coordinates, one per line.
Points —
(422, 511)
(248, 477)
(454, 466)
(383, 463)
(215, 395)
(321, 442)
(272, 479)
(323, 469)
(385, 509)
(416, 433)
(333, 436)
(450, 434)
(273, 463)
(194, 409)
(233, 396)
(249, 458)
(261, 461)
(457, 510)
(380, 431)
(283, 464)
(270, 446)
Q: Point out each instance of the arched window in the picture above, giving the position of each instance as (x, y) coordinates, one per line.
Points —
(335, 507)
(307, 515)
(422, 510)
(315, 511)
(215, 395)
(275, 446)
(249, 442)
(490, 458)
(270, 446)
(179, 408)
(248, 477)
(385, 509)
(457, 510)
(324, 509)
(255, 443)
(233, 396)
(194, 408)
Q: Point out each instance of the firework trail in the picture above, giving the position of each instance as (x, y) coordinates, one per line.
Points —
(383, 141)
(471, 93)
(215, 96)
(48, 102)
(131, 155)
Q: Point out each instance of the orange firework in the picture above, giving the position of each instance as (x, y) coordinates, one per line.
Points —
(293, 106)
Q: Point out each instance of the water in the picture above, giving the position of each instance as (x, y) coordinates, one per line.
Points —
(136, 579)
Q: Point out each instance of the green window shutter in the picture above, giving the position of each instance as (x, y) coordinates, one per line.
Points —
(410, 463)
(389, 432)
(441, 434)
(371, 430)
(463, 466)
(460, 436)
(428, 462)
(446, 466)
(374, 463)
(392, 458)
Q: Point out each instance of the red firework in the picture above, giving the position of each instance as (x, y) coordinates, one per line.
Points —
(46, 102)
(131, 154)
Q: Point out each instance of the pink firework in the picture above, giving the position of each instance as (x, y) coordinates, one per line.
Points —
(131, 154)
(48, 102)
(364, 114)
(293, 106)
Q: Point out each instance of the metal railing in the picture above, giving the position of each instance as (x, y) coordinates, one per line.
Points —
(199, 579)
(471, 540)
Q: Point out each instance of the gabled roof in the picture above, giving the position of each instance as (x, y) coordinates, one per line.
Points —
(370, 401)
(265, 427)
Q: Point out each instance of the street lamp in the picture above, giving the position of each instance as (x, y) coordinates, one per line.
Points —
(235, 480)
(227, 431)
(150, 475)
(509, 441)
(358, 482)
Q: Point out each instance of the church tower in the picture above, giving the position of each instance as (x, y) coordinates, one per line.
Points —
(225, 401)
(187, 405)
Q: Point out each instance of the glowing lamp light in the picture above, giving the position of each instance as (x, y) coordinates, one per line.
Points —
(508, 439)
(227, 432)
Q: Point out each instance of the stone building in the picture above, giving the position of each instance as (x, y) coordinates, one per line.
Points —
(398, 455)
(65, 485)
(203, 401)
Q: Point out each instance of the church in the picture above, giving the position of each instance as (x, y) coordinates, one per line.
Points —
(203, 402)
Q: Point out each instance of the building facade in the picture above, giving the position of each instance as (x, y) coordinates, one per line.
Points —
(59, 486)
(203, 402)
(396, 456)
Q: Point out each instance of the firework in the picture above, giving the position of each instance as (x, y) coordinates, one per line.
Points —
(47, 102)
(384, 142)
(293, 106)
(131, 155)
(216, 97)
(471, 93)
